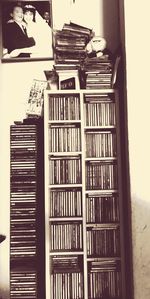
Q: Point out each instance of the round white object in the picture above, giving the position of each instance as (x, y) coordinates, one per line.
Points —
(96, 44)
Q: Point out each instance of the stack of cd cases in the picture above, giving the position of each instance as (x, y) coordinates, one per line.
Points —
(26, 210)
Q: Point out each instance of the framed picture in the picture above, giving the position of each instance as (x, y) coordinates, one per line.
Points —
(26, 30)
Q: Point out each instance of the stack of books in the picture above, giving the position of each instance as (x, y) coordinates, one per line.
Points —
(65, 170)
(70, 43)
(98, 71)
(104, 279)
(68, 75)
(98, 236)
(66, 236)
(23, 191)
(67, 277)
(23, 284)
(23, 237)
(64, 107)
(102, 209)
(65, 203)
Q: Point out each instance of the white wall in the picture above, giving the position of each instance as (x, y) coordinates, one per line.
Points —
(99, 15)
(16, 80)
(137, 24)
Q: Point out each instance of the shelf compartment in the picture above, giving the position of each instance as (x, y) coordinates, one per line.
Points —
(66, 277)
(101, 144)
(65, 170)
(64, 106)
(102, 208)
(103, 242)
(64, 137)
(66, 236)
(99, 111)
(107, 277)
(101, 175)
(65, 203)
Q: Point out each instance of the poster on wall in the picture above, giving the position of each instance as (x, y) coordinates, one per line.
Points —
(26, 30)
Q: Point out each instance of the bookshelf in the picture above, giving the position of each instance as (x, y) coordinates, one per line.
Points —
(83, 195)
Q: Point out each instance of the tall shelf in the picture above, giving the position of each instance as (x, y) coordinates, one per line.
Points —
(83, 200)
(26, 211)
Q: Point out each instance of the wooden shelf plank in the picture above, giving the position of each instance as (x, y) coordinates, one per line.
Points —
(111, 191)
(99, 127)
(65, 153)
(99, 259)
(65, 186)
(66, 219)
(111, 225)
(101, 159)
(66, 253)
(64, 122)
(79, 91)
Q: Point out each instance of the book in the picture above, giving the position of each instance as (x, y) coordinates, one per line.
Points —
(104, 279)
(68, 83)
(98, 72)
(64, 107)
(36, 98)
(65, 203)
(70, 43)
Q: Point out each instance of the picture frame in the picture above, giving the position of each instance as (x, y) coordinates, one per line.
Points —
(26, 30)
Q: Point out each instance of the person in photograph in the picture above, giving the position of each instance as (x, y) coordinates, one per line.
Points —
(15, 36)
(46, 17)
(38, 30)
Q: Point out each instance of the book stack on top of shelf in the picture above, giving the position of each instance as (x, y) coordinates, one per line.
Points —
(98, 72)
(26, 200)
(68, 76)
(84, 257)
(70, 43)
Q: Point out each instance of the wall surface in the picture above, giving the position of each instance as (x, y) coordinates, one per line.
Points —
(15, 86)
(100, 15)
(137, 24)
(15, 83)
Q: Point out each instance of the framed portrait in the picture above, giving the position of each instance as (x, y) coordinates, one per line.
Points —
(27, 30)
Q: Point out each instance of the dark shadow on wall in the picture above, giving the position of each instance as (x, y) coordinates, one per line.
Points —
(127, 211)
(4, 263)
(114, 32)
(140, 240)
(111, 24)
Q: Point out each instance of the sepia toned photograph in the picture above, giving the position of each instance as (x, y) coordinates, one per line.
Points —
(74, 152)
(27, 29)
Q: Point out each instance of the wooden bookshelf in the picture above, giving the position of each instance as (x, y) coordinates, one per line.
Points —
(83, 195)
